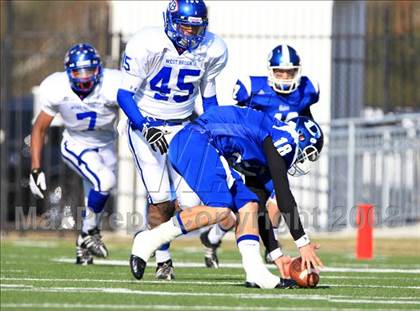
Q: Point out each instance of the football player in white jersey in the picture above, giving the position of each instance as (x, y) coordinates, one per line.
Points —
(85, 96)
(164, 70)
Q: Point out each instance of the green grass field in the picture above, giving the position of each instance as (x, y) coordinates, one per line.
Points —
(37, 273)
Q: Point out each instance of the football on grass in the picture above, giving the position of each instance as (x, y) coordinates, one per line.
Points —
(304, 277)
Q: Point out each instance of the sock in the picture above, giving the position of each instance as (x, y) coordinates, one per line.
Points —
(163, 254)
(216, 233)
(90, 220)
(252, 262)
(98, 217)
(146, 242)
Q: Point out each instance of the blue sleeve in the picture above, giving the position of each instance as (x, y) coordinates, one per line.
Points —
(269, 186)
(209, 102)
(129, 106)
(240, 94)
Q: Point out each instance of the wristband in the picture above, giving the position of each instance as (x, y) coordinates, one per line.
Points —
(302, 241)
(277, 253)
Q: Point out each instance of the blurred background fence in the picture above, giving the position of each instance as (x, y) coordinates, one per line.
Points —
(369, 96)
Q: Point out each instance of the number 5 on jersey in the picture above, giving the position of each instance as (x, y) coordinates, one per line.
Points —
(160, 84)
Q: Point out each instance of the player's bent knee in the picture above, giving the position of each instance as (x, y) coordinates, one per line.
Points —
(224, 214)
(249, 207)
(108, 180)
(228, 222)
(160, 212)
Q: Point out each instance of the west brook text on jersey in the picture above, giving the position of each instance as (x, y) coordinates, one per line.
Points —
(90, 121)
(165, 83)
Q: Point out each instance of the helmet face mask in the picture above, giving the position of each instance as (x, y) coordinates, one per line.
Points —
(304, 160)
(310, 143)
(186, 23)
(84, 67)
(284, 69)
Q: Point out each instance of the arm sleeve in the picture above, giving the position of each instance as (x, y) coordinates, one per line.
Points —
(242, 91)
(209, 102)
(129, 106)
(133, 66)
(285, 200)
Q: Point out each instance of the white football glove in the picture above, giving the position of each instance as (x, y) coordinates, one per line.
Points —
(37, 183)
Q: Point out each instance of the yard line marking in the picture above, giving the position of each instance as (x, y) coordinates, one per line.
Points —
(279, 295)
(32, 243)
(371, 286)
(148, 306)
(15, 286)
(324, 276)
(213, 283)
(121, 281)
(239, 266)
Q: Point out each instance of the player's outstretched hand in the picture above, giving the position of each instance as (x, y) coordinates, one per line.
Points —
(37, 183)
(283, 265)
(156, 138)
(309, 257)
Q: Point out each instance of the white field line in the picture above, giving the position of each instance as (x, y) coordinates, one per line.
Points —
(211, 283)
(215, 283)
(241, 275)
(323, 276)
(40, 244)
(278, 296)
(146, 306)
(239, 266)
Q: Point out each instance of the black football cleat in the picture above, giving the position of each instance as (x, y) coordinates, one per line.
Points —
(93, 242)
(137, 266)
(210, 258)
(165, 270)
(83, 256)
(251, 285)
(284, 283)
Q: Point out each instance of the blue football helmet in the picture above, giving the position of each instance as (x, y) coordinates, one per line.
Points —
(84, 67)
(284, 69)
(186, 23)
(310, 143)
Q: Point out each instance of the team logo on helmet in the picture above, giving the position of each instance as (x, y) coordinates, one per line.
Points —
(173, 6)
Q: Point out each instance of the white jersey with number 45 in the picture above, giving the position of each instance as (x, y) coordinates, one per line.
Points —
(90, 121)
(166, 83)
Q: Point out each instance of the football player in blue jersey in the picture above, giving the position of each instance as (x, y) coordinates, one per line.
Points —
(283, 94)
(201, 153)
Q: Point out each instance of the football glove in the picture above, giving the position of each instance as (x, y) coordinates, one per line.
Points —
(156, 138)
(37, 183)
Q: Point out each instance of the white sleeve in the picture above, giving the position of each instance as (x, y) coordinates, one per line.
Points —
(48, 104)
(216, 65)
(208, 88)
(112, 82)
(134, 64)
